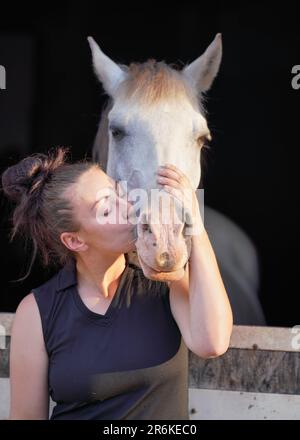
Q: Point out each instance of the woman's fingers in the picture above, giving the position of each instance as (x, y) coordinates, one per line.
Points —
(168, 181)
(175, 169)
(178, 184)
(172, 172)
(177, 193)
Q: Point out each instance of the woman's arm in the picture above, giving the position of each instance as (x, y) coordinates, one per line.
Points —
(199, 301)
(210, 311)
(28, 364)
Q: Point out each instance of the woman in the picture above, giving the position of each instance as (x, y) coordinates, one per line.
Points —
(101, 339)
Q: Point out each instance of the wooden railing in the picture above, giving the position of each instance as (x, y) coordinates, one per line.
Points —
(257, 378)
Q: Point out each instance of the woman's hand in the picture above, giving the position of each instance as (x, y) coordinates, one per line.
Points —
(177, 183)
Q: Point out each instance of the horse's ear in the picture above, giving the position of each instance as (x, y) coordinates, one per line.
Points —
(201, 72)
(107, 71)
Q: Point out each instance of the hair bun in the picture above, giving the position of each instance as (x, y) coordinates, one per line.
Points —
(31, 173)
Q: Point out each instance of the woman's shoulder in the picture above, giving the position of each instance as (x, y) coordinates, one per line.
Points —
(27, 308)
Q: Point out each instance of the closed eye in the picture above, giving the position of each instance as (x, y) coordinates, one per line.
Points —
(103, 207)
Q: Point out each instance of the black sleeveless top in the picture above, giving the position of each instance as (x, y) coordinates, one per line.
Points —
(130, 363)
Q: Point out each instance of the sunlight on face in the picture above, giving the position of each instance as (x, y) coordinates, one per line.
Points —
(102, 209)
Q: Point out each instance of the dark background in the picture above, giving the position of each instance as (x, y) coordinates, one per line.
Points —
(251, 170)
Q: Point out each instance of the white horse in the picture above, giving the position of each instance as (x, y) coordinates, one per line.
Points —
(155, 116)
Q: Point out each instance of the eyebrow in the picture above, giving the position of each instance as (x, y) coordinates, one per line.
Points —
(115, 186)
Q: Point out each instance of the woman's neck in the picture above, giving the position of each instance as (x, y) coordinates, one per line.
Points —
(96, 274)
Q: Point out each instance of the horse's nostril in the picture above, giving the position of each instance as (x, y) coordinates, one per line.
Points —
(164, 256)
(163, 260)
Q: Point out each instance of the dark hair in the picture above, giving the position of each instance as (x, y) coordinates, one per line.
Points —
(37, 184)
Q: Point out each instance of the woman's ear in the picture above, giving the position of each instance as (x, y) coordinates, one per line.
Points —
(73, 242)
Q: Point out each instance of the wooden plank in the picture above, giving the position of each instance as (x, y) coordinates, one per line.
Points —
(233, 405)
(4, 399)
(6, 320)
(260, 371)
(4, 359)
(265, 338)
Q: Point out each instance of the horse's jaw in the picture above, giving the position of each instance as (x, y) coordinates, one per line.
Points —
(155, 275)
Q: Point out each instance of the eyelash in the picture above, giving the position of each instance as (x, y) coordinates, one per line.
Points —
(105, 213)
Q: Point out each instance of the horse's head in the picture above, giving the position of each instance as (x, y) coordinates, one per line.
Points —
(156, 117)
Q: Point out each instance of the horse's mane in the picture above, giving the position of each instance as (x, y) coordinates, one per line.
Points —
(155, 81)
(100, 146)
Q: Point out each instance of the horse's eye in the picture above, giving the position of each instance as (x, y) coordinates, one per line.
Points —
(117, 133)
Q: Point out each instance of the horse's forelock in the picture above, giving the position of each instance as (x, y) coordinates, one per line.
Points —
(155, 81)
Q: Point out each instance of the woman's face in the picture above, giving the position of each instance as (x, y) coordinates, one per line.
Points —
(102, 210)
